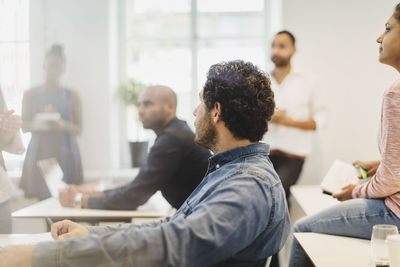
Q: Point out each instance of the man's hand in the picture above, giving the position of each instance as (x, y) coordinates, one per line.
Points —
(67, 196)
(66, 229)
(346, 193)
(369, 166)
(19, 256)
(280, 117)
(9, 126)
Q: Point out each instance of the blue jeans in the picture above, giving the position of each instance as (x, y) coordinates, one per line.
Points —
(5, 218)
(353, 218)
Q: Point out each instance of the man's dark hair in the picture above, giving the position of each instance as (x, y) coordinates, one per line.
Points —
(291, 36)
(245, 95)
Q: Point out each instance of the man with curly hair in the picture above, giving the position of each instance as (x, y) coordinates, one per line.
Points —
(237, 216)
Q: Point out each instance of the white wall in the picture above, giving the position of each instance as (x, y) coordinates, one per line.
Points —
(89, 33)
(337, 41)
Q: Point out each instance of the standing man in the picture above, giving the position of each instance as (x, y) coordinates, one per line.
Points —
(299, 113)
(297, 117)
(237, 216)
(175, 164)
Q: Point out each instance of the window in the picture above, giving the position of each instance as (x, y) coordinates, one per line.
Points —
(175, 42)
(14, 59)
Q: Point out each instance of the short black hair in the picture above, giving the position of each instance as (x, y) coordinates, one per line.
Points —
(245, 95)
(291, 36)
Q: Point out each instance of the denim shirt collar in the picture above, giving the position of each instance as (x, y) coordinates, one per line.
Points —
(218, 160)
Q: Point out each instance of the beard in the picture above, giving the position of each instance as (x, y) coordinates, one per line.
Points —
(280, 61)
(155, 121)
(206, 134)
(152, 124)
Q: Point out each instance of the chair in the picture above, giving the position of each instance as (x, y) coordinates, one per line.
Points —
(268, 262)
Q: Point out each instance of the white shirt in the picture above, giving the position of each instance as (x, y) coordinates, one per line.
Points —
(298, 96)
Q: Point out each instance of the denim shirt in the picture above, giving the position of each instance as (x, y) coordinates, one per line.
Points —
(237, 216)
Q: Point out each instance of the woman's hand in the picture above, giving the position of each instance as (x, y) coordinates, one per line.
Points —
(346, 193)
(60, 125)
(369, 166)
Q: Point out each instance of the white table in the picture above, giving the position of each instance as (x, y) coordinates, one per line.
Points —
(114, 175)
(24, 239)
(305, 200)
(51, 208)
(311, 199)
(332, 251)
(117, 176)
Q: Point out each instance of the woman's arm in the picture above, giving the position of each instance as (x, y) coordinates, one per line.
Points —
(73, 127)
(386, 181)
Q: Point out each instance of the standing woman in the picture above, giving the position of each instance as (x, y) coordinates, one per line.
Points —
(10, 141)
(378, 200)
(52, 114)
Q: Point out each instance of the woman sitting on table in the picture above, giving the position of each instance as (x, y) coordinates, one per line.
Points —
(378, 200)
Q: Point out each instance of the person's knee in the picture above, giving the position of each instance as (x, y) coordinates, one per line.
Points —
(301, 225)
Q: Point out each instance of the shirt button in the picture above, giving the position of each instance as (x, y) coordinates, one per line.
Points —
(217, 166)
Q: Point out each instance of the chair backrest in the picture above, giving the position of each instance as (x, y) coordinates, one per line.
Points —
(268, 262)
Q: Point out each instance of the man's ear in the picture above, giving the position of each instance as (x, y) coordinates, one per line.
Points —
(216, 112)
(170, 107)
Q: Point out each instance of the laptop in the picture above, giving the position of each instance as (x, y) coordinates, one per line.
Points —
(52, 174)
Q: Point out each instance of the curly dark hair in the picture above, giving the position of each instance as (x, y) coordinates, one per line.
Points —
(245, 95)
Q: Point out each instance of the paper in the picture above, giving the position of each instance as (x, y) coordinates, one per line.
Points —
(47, 116)
(24, 239)
(52, 174)
(339, 175)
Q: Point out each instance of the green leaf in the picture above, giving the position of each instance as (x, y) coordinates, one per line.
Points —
(129, 92)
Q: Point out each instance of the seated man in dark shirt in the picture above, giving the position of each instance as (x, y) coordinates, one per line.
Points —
(175, 164)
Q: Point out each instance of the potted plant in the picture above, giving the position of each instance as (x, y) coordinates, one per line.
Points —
(129, 93)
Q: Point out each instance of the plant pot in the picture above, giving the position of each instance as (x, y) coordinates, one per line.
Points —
(138, 152)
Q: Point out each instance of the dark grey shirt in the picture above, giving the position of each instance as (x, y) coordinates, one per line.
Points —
(175, 166)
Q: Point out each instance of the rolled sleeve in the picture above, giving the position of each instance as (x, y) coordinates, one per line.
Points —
(97, 202)
(319, 110)
(47, 254)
